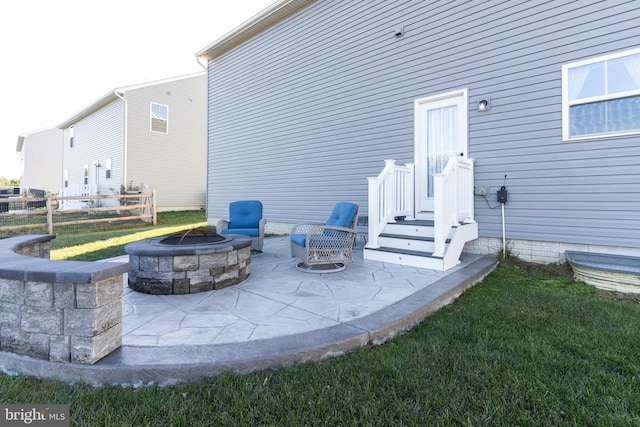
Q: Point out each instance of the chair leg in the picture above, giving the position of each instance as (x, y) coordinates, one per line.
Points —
(256, 244)
(321, 268)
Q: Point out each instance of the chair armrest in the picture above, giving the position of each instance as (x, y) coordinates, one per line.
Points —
(323, 228)
(305, 228)
(327, 235)
(222, 225)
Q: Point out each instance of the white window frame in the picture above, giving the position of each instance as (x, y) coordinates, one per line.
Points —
(566, 103)
(71, 135)
(151, 118)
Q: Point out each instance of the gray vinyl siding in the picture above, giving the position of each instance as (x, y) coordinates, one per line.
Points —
(576, 192)
(97, 137)
(301, 114)
(173, 163)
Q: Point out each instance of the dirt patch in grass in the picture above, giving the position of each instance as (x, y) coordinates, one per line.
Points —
(552, 270)
(619, 296)
(565, 271)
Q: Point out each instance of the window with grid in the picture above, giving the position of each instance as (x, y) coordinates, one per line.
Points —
(159, 118)
(601, 96)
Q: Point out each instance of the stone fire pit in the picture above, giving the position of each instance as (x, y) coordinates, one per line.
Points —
(189, 262)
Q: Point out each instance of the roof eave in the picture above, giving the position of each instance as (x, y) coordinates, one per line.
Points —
(259, 23)
(101, 102)
(116, 93)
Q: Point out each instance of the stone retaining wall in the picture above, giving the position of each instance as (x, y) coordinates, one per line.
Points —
(62, 311)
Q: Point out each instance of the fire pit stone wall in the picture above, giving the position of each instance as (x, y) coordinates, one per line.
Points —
(170, 270)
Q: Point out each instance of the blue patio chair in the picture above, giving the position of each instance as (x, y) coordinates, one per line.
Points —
(245, 217)
(324, 248)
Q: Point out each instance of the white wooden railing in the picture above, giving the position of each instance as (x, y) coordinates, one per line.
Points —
(453, 199)
(73, 191)
(391, 195)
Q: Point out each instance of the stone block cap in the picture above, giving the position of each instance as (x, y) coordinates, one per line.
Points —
(14, 266)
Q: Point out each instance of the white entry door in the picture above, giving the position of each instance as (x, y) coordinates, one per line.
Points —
(440, 132)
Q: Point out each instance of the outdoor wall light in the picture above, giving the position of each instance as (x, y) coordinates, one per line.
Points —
(484, 104)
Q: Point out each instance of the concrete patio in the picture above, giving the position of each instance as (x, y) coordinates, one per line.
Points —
(278, 317)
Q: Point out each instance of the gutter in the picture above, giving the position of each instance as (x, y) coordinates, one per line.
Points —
(104, 100)
(259, 23)
(114, 94)
(200, 63)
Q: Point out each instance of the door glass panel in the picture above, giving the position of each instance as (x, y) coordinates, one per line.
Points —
(441, 141)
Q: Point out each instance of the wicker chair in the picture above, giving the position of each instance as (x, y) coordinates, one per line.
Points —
(324, 248)
(245, 217)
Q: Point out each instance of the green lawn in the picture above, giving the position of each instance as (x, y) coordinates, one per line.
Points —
(106, 244)
(527, 346)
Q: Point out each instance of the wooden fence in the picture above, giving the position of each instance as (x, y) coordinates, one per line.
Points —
(53, 211)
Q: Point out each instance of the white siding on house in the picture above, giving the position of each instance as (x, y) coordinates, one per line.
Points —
(97, 137)
(301, 114)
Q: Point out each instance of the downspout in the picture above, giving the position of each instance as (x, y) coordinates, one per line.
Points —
(125, 140)
(204, 66)
(206, 192)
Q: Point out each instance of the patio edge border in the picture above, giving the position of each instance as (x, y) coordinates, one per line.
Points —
(141, 366)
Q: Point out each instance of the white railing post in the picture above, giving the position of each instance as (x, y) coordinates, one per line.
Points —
(465, 190)
(382, 195)
(410, 194)
(374, 212)
(389, 191)
(439, 215)
(445, 208)
(391, 194)
(453, 200)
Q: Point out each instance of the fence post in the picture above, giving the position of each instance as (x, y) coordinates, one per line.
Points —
(50, 212)
(154, 207)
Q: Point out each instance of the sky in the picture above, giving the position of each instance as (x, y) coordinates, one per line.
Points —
(58, 57)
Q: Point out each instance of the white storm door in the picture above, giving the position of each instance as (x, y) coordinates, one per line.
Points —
(440, 132)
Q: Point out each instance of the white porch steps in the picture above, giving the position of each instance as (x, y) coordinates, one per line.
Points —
(410, 242)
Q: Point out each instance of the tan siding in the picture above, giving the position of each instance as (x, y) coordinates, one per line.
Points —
(174, 163)
(42, 160)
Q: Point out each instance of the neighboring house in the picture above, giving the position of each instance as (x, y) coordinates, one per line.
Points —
(308, 98)
(151, 134)
(40, 159)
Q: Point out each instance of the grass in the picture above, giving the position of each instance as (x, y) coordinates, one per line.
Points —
(528, 346)
(106, 244)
